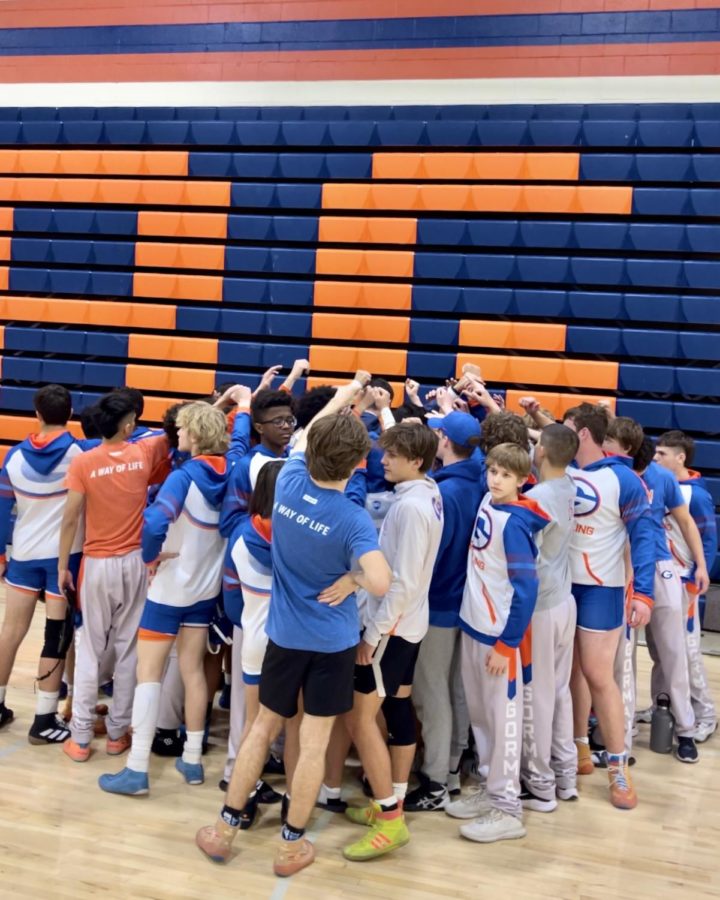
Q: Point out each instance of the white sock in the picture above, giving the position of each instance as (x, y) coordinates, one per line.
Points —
(400, 789)
(70, 690)
(388, 801)
(583, 740)
(146, 707)
(227, 677)
(3, 691)
(328, 793)
(47, 702)
(193, 747)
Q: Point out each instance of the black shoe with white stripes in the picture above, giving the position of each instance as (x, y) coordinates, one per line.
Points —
(429, 796)
(48, 729)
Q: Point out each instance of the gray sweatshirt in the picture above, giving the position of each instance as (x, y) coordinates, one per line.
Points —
(557, 498)
(409, 538)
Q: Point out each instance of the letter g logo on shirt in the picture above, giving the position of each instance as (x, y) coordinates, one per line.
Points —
(482, 533)
(587, 499)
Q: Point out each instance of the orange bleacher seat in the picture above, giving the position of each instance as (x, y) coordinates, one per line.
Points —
(17, 428)
(551, 199)
(544, 371)
(362, 296)
(206, 193)
(173, 349)
(155, 408)
(8, 161)
(121, 162)
(454, 197)
(162, 378)
(553, 402)
(349, 359)
(512, 335)
(347, 230)
(397, 386)
(7, 218)
(180, 256)
(4, 275)
(114, 190)
(88, 312)
(79, 162)
(477, 166)
(495, 198)
(2, 337)
(177, 224)
(5, 245)
(604, 200)
(178, 287)
(551, 167)
(389, 263)
(346, 196)
(163, 193)
(361, 328)
(38, 162)
(165, 162)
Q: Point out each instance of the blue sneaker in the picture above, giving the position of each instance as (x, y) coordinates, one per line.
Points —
(193, 773)
(128, 782)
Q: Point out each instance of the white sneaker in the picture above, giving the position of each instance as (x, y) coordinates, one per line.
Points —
(470, 806)
(704, 731)
(535, 803)
(494, 825)
(644, 716)
(567, 793)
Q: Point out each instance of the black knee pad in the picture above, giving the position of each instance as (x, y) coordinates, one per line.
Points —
(400, 720)
(58, 637)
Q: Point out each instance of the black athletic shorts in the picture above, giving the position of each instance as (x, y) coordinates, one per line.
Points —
(326, 680)
(397, 667)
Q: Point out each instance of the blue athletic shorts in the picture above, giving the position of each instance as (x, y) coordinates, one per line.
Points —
(163, 619)
(599, 608)
(34, 575)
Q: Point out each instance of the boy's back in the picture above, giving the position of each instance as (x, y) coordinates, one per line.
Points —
(317, 535)
(557, 497)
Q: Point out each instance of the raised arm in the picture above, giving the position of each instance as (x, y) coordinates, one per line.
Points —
(344, 396)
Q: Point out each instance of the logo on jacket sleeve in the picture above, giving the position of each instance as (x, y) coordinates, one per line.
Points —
(482, 533)
(587, 498)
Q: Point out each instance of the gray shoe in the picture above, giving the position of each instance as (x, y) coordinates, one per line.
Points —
(470, 806)
(494, 825)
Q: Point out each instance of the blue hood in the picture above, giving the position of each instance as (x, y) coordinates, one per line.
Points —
(45, 457)
(529, 511)
(257, 542)
(210, 474)
(621, 462)
(471, 469)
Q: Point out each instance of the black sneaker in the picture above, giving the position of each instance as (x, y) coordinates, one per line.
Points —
(686, 751)
(333, 804)
(6, 715)
(532, 801)
(284, 809)
(428, 797)
(248, 813)
(267, 795)
(48, 729)
(168, 742)
(274, 766)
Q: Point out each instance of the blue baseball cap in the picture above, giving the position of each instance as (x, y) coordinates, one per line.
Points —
(460, 427)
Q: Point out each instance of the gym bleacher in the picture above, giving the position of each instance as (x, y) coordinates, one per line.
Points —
(571, 251)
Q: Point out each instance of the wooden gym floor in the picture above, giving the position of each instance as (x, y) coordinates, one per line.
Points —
(61, 837)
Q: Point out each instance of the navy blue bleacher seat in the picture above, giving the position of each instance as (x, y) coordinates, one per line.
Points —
(664, 167)
(348, 165)
(83, 132)
(697, 417)
(74, 221)
(301, 165)
(168, 132)
(29, 280)
(299, 196)
(546, 234)
(436, 298)
(661, 201)
(352, 133)
(707, 132)
(646, 379)
(655, 272)
(598, 235)
(704, 202)
(193, 319)
(249, 228)
(503, 133)
(10, 132)
(212, 133)
(113, 253)
(247, 259)
(580, 339)
(449, 133)
(703, 238)
(610, 111)
(594, 305)
(29, 219)
(71, 252)
(256, 134)
(209, 164)
(702, 273)
(609, 133)
(41, 132)
(397, 133)
(111, 284)
(305, 134)
(489, 266)
(286, 260)
(557, 133)
(29, 249)
(439, 265)
(607, 166)
(450, 232)
(551, 269)
(649, 413)
(157, 113)
(698, 382)
(112, 221)
(659, 111)
(646, 342)
(540, 302)
(254, 165)
(699, 345)
(435, 366)
(656, 236)
(493, 233)
(433, 331)
(294, 228)
(126, 132)
(665, 132)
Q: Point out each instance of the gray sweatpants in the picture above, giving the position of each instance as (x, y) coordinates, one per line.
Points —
(439, 702)
(549, 754)
(112, 594)
(496, 718)
(665, 635)
(700, 696)
(237, 701)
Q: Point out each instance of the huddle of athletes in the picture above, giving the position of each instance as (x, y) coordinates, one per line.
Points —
(445, 569)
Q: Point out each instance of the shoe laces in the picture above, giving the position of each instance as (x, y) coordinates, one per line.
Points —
(619, 777)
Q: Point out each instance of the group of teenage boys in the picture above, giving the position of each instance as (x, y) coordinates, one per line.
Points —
(444, 570)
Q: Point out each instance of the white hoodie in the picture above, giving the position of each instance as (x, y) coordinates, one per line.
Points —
(409, 538)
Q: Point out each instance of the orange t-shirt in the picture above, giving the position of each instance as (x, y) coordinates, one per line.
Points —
(114, 479)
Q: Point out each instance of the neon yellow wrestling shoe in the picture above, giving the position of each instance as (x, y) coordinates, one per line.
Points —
(384, 836)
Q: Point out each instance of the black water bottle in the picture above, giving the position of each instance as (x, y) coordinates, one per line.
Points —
(662, 726)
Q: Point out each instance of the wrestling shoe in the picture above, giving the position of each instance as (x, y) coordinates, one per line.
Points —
(248, 814)
(622, 792)
(76, 752)
(215, 841)
(292, 856)
(363, 815)
(429, 796)
(644, 716)
(385, 835)
(470, 806)
(193, 773)
(494, 825)
(127, 782)
(535, 803)
(585, 764)
(116, 747)
(48, 729)
(274, 766)
(686, 751)
(704, 731)
(267, 794)
(6, 715)
(567, 794)
(168, 742)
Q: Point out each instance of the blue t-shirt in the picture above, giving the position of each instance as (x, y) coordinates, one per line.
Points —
(665, 494)
(317, 536)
